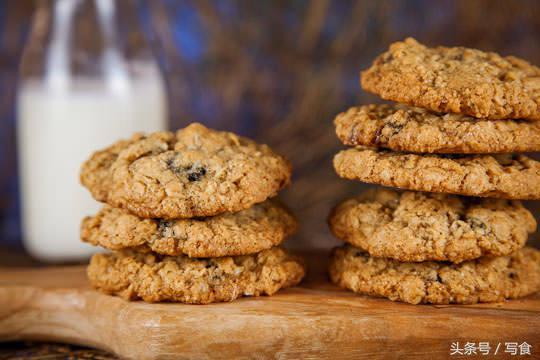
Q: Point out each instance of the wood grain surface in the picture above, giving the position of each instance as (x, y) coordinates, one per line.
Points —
(314, 320)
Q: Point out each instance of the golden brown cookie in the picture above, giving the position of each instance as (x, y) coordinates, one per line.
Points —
(456, 80)
(415, 226)
(488, 279)
(504, 176)
(410, 129)
(154, 278)
(249, 231)
(193, 172)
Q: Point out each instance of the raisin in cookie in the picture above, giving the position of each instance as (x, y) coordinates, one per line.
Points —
(153, 278)
(416, 226)
(195, 172)
(488, 279)
(501, 176)
(410, 129)
(249, 231)
(457, 80)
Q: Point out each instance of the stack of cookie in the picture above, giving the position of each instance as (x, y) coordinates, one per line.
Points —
(462, 137)
(188, 218)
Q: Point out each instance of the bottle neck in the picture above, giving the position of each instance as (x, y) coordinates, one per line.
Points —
(85, 37)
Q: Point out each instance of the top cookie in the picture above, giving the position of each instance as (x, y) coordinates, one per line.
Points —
(195, 172)
(412, 129)
(457, 80)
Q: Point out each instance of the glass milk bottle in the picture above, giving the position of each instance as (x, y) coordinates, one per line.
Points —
(87, 79)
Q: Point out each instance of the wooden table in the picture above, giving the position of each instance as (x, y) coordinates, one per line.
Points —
(315, 319)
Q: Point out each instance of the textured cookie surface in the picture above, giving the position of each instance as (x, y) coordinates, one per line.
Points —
(245, 232)
(415, 226)
(154, 278)
(501, 176)
(410, 129)
(486, 279)
(195, 172)
(456, 80)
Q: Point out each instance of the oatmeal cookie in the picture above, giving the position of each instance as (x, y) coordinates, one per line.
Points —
(456, 80)
(193, 172)
(249, 231)
(505, 176)
(153, 278)
(410, 129)
(414, 226)
(488, 279)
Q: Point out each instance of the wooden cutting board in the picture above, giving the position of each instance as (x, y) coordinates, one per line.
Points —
(314, 320)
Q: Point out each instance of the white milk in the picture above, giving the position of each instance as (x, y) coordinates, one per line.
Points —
(57, 131)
